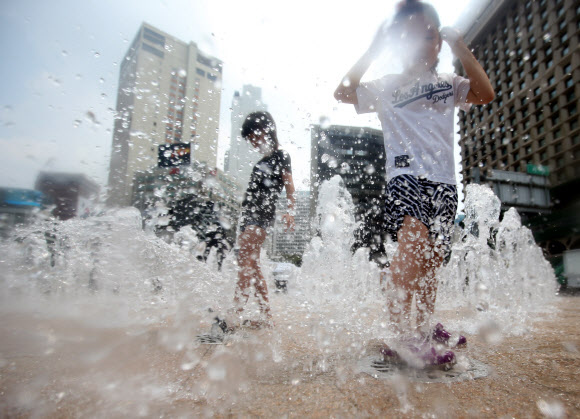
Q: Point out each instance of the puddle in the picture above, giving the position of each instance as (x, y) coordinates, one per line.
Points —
(466, 369)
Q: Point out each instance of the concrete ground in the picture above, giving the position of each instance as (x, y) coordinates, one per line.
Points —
(60, 368)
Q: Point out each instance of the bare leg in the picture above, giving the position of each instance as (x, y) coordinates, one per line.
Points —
(407, 269)
(427, 293)
(249, 274)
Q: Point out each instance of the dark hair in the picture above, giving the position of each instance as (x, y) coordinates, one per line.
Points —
(258, 122)
(416, 7)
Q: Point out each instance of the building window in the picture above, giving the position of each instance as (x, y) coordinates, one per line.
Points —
(569, 83)
(150, 49)
(551, 80)
(565, 50)
(562, 24)
(541, 129)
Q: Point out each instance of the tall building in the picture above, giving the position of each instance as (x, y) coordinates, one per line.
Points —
(284, 243)
(530, 52)
(169, 92)
(241, 156)
(358, 156)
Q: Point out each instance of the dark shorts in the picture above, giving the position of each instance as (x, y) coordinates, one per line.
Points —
(432, 203)
(253, 216)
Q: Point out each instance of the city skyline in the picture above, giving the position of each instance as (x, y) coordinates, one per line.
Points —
(58, 112)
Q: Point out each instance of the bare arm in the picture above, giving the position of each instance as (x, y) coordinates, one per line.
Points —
(481, 91)
(288, 218)
(346, 90)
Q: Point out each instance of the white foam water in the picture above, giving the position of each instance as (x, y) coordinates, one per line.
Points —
(106, 272)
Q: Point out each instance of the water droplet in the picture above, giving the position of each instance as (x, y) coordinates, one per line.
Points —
(324, 122)
(97, 54)
(64, 53)
(553, 409)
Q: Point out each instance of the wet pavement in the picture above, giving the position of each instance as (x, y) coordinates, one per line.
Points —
(50, 367)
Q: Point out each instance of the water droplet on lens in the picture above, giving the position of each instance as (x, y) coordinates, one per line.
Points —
(324, 122)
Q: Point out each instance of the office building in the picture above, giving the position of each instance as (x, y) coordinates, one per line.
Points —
(530, 52)
(291, 244)
(241, 156)
(169, 93)
(358, 156)
(71, 194)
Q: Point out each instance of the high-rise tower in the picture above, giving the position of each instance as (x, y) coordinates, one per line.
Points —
(530, 52)
(169, 92)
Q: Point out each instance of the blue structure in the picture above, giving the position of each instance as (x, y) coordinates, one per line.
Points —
(17, 206)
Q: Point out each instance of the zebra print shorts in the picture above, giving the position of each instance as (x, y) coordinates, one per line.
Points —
(434, 204)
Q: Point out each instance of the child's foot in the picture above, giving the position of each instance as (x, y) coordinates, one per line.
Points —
(442, 336)
(418, 354)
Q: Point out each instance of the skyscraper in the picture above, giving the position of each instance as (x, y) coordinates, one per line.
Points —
(241, 157)
(291, 243)
(169, 92)
(530, 52)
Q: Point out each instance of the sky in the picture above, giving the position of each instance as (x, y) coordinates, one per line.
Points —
(60, 70)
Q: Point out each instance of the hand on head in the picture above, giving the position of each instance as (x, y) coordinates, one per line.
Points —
(450, 35)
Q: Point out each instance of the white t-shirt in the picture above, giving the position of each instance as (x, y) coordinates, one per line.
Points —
(416, 114)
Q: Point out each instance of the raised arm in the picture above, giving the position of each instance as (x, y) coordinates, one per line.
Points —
(346, 90)
(481, 91)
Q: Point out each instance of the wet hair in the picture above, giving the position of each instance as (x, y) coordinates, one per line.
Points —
(407, 8)
(258, 122)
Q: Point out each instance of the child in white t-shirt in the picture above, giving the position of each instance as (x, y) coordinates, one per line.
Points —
(416, 110)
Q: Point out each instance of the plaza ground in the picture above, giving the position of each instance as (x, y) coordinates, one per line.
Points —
(118, 373)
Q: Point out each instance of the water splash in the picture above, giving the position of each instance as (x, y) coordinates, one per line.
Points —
(105, 282)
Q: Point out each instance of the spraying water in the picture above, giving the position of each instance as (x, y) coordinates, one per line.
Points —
(103, 283)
